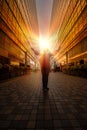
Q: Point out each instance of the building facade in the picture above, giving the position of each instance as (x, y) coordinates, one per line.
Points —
(18, 22)
(69, 19)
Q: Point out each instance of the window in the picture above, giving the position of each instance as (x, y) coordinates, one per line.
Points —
(1, 4)
(4, 11)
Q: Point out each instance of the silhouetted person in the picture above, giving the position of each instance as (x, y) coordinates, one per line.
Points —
(45, 68)
(45, 65)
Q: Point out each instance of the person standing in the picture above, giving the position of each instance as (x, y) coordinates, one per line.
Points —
(45, 68)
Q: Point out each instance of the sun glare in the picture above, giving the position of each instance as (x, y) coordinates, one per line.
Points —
(44, 44)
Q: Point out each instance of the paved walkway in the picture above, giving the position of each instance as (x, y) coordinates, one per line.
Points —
(24, 106)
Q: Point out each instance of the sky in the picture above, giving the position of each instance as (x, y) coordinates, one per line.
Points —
(44, 8)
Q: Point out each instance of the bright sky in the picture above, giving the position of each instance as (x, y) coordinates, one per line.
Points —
(44, 8)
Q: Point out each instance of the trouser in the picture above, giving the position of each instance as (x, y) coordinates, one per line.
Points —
(45, 79)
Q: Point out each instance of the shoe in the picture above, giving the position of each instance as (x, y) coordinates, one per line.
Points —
(47, 88)
(44, 89)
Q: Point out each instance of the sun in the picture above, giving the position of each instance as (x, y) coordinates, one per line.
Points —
(44, 44)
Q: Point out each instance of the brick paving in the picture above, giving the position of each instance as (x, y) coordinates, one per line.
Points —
(24, 106)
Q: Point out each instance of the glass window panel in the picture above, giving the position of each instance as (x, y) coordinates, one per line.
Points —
(10, 15)
(84, 17)
(14, 22)
(15, 9)
(7, 43)
(5, 10)
(11, 4)
(84, 45)
(79, 9)
(83, 3)
(1, 4)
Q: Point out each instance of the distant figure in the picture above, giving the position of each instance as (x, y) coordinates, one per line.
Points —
(45, 68)
(45, 65)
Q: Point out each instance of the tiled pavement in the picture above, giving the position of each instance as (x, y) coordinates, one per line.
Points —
(24, 106)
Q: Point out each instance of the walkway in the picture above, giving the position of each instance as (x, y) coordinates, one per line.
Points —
(24, 106)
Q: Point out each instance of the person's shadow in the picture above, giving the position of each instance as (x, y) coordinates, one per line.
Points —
(45, 95)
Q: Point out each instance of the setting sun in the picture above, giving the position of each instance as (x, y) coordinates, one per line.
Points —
(44, 44)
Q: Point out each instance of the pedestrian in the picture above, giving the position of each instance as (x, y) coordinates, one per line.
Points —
(45, 68)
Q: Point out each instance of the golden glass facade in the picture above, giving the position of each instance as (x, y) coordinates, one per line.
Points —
(18, 22)
(71, 25)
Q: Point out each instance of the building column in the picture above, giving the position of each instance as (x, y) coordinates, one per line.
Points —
(25, 59)
(67, 58)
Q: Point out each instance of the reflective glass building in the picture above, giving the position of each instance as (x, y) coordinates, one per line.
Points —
(18, 24)
(69, 21)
